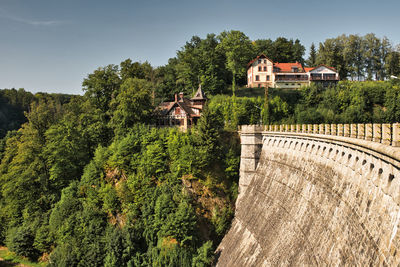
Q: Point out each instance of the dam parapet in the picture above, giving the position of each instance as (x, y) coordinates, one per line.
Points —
(385, 133)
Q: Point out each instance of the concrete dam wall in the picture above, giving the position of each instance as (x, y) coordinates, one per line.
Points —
(316, 199)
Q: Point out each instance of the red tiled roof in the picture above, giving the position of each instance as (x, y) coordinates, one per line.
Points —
(287, 67)
(308, 69)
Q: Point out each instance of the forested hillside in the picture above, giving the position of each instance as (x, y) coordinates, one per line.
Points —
(90, 181)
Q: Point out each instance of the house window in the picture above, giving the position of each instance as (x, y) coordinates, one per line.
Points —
(259, 68)
(265, 61)
(257, 78)
(267, 77)
(177, 110)
(265, 68)
(295, 69)
(259, 61)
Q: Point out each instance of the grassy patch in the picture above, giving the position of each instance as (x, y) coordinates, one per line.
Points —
(10, 259)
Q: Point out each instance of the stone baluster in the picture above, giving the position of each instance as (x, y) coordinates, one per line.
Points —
(346, 129)
(340, 129)
(327, 129)
(286, 128)
(360, 131)
(376, 132)
(386, 134)
(334, 129)
(309, 128)
(396, 134)
(293, 128)
(315, 128)
(321, 129)
(304, 128)
(281, 128)
(353, 130)
(298, 128)
(368, 132)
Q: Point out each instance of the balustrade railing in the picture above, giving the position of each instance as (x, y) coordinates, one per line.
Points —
(387, 134)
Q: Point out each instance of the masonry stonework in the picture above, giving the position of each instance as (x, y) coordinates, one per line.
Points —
(317, 199)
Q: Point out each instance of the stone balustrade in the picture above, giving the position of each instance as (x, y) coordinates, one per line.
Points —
(387, 134)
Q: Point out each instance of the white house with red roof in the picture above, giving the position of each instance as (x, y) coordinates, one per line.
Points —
(263, 72)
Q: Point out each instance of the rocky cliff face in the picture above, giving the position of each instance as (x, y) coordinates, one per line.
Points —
(313, 203)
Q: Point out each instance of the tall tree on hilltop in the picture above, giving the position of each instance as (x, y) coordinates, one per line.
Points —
(311, 61)
(138, 70)
(238, 50)
(132, 105)
(353, 55)
(101, 86)
(372, 55)
(298, 51)
(386, 48)
(392, 63)
(330, 53)
(263, 46)
(282, 50)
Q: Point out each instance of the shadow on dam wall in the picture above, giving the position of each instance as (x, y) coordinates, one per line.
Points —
(315, 202)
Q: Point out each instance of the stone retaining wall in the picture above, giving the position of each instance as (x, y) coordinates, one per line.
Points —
(317, 195)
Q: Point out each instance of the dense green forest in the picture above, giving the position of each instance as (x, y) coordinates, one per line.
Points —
(101, 188)
(89, 181)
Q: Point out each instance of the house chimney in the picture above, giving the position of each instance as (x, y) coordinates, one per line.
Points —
(176, 97)
(181, 95)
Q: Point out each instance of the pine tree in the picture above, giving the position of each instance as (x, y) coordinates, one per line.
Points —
(311, 61)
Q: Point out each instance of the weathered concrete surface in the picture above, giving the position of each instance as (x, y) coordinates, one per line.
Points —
(315, 202)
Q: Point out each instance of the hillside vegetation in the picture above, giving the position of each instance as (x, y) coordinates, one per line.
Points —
(89, 182)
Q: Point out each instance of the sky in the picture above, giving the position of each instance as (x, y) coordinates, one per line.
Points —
(52, 45)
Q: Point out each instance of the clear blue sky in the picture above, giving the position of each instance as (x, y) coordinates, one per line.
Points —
(52, 45)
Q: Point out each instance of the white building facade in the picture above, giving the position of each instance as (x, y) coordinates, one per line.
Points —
(263, 72)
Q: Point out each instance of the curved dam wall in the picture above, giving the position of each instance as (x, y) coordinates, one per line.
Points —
(311, 199)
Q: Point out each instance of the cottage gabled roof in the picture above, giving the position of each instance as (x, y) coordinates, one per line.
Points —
(199, 94)
(187, 109)
(258, 57)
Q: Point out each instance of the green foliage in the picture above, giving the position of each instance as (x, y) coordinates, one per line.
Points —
(132, 105)
(205, 255)
(359, 57)
(101, 86)
(13, 104)
(238, 49)
(20, 240)
(221, 220)
(349, 102)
